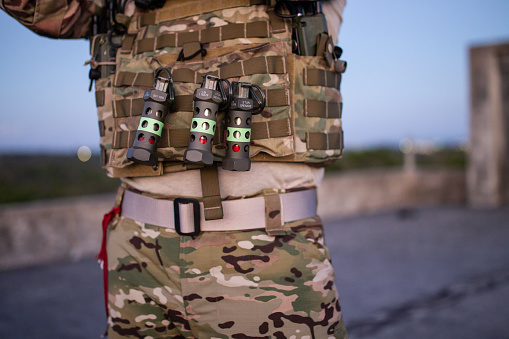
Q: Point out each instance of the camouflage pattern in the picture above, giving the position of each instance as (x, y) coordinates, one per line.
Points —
(292, 147)
(57, 19)
(182, 120)
(54, 19)
(305, 124)
(220, 284)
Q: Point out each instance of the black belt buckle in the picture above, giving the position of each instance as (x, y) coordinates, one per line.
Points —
(196, 214)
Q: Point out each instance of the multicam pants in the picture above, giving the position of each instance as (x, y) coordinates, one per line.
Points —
(242, 284)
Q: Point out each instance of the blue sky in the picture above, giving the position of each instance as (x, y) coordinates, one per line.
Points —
(407, 76)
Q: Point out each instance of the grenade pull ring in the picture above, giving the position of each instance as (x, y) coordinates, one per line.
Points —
(209, 99)
(158, 102)
(244, 105)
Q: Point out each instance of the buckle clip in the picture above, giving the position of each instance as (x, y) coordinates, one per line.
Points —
(196, 215)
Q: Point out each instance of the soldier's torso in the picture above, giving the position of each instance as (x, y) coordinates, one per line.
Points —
(244, 41)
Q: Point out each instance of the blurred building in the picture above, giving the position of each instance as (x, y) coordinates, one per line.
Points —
(488, 169)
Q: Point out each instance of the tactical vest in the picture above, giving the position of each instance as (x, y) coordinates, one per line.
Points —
(245, 41)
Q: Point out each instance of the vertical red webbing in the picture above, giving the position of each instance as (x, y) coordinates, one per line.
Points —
(102, 256)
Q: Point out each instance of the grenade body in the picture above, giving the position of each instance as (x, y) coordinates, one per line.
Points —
(244, 105)
(158, 102)
(238, 135)
(207, 102)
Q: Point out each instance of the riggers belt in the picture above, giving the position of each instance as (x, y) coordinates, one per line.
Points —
(245, 42)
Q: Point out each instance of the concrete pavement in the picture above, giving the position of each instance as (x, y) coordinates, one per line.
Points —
(423, 273)
(440, 272)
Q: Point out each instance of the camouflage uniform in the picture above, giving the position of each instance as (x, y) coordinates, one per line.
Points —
(221, 285)
(242, 284)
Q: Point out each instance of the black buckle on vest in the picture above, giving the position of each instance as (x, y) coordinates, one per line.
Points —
(196, 215)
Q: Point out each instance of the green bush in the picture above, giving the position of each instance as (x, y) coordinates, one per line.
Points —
(35, 177)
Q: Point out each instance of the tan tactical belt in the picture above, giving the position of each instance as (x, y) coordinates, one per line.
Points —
(187, 216)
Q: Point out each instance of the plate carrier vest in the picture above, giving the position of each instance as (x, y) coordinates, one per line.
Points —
(246, 42)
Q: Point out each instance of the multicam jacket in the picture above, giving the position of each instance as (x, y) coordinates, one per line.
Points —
(245, 41)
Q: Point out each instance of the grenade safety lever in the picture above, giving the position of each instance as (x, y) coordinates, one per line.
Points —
(244, 105)
(209, 99)
(158, 102)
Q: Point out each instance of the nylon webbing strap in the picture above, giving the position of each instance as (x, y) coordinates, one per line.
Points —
(100, 98)
(192, 50)
(324, 141)
(134, 79)
(102, 128)
(128, 107)
(273, 213)
(176, 138)
(259, 29)
(127, 43)
(176, 9)
(242, 214)
(322, 109)
(278, 24)
(122, 139)
(258, 65)
(277, 97)
(271, 129)
(184, 103)
(211, 195)
(320, 77)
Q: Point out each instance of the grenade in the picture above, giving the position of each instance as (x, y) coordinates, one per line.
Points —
(209, 99)
(245, 103)
(158, 102)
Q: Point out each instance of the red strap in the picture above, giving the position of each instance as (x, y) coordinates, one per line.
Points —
(102, 256)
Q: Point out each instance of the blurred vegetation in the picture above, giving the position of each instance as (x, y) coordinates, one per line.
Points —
(34, 177)
(452, 157)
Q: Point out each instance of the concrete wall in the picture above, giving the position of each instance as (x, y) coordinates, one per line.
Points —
(488, 170)
(46, 231)
(368, 191)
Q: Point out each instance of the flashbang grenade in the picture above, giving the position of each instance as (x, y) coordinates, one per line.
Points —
(158, 102)
(245, 103)
(209, 99)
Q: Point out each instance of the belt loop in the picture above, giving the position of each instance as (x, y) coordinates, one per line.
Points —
(273, 213)
(120, 194)
(212, 206)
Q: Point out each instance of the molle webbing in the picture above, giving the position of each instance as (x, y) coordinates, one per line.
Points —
(100, 97)
(257, 65)
(258, 29)
(102, 128)
(324, 141)
(184, 103)
(127, 43)
(323, 109)
(320, 77)
(278, 24)
(302, 118)
(180, 137)
(176, 9)
(274, 213)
